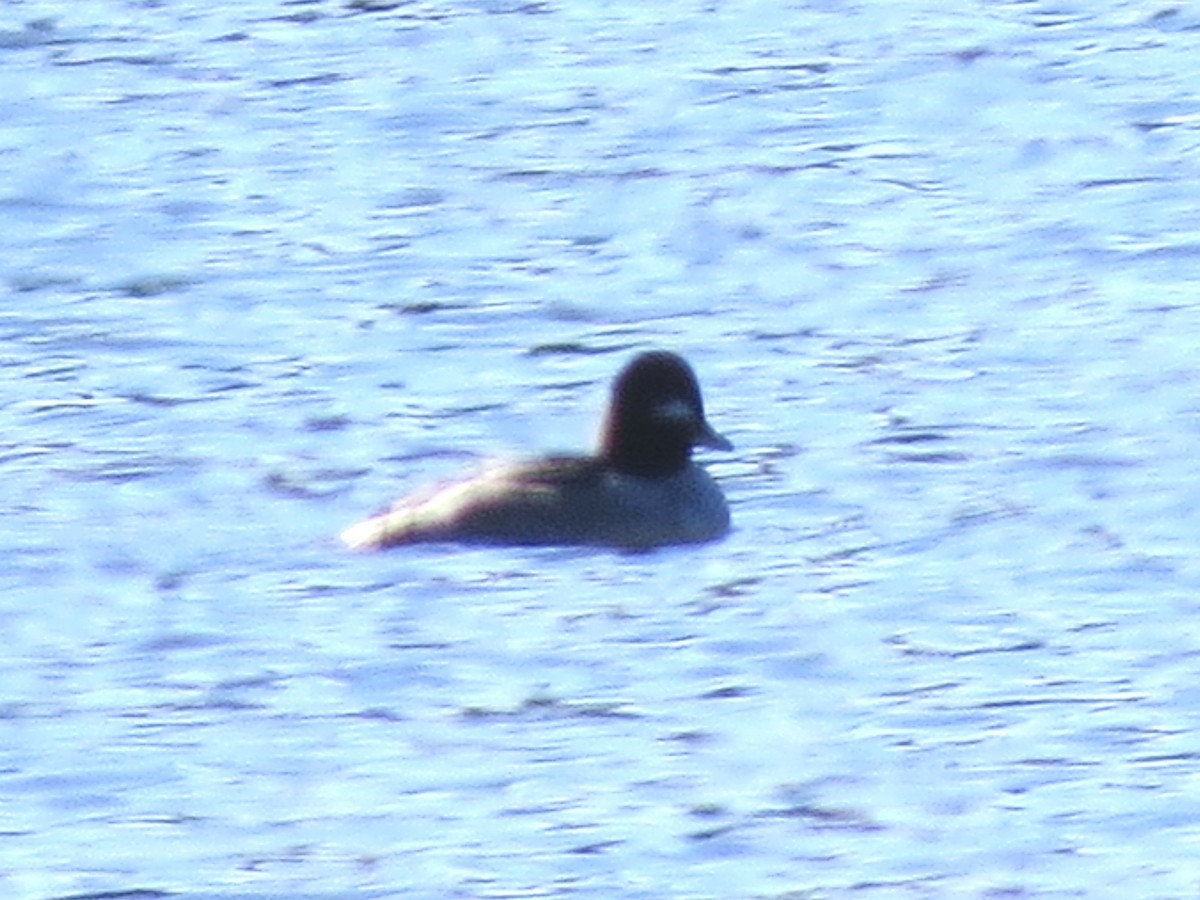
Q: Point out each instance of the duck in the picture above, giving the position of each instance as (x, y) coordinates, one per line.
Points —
(640, 489)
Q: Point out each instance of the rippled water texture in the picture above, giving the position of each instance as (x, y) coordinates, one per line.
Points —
(266, 265)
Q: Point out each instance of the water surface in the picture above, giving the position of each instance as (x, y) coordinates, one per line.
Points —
(267, 265)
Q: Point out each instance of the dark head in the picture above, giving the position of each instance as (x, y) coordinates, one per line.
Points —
(656, 417)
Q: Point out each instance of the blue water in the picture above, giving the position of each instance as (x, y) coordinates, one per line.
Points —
(267, 265)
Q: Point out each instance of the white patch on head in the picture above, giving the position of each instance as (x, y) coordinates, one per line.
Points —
(675, 410)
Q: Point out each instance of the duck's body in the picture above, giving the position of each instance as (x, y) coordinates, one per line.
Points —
(640, 490)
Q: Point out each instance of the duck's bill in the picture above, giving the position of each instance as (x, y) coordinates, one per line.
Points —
(706, 437)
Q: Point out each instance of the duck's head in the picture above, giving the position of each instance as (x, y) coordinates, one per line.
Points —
(656, 417)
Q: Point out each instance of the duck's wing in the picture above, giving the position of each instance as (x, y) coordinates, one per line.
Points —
(547, 501)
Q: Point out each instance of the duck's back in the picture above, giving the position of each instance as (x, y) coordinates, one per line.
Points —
(558, 500)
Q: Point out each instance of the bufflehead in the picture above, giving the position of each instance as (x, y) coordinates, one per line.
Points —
(640, 490)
